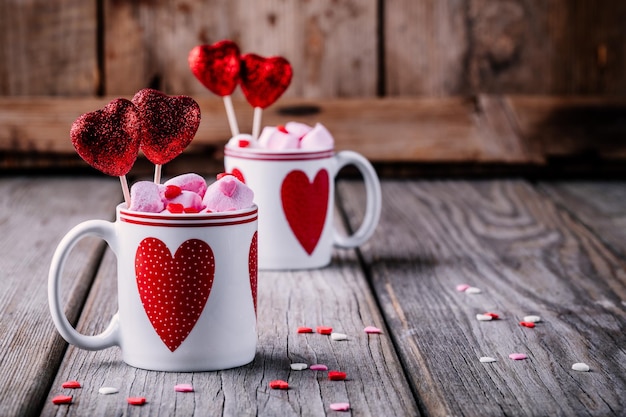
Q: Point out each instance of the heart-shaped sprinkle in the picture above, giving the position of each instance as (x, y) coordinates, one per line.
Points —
(264, 80)
(336, 375)
(372, 330)
(324, 329)
(279, 384)
(172, 191)
(136, 400)
(340, 406)
(62, 399)
(108, 390)
(71, 384)
(518, 356)
(175, 208)
(227, 187)
(108, 139)
(298, 366)
(183, 388)
(216, 66)
(305, 330)
(170, 124)
(318, 367)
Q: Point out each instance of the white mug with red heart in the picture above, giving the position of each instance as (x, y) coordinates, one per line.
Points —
(294, 190)
(187, 289)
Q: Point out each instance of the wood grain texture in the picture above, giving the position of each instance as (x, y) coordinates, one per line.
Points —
(48, 48)
(529, 256)
(335, 296)
(35, 213)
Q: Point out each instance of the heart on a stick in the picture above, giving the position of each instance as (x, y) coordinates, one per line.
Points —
(264, 80)
(216, 66)
(108, 139)
(305, 205)
(174, 289)
(170, 124)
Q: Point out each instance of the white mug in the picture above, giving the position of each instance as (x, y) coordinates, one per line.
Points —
(295, 193)
(186, 289)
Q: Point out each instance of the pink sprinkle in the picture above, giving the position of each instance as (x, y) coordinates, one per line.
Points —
(183, 388)
(340, 406)
(372, 330)
(462, 287)
(318, 367)
(517, 356)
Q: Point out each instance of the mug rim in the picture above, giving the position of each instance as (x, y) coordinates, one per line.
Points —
(222, 218)
(280, 155)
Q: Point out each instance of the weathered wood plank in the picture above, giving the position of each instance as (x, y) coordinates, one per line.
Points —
(331, 46)
(35, 213)
(48, 48)
(529, 257)
(335, 296)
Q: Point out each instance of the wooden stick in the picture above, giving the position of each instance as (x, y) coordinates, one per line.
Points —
(232, 118)
(157, 173)
(125, 190)
(256, 122)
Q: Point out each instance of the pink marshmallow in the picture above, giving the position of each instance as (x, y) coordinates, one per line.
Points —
(272, 138)
(189, 182)
(318, 138)
(188, 199)
(243, 140)
(145, 196)
(228, 193)
(298, 129)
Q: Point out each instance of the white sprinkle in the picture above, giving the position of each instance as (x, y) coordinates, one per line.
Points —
(487, 359)
(338, 336)
(108, 390)
(532, 319)
(473, 290)
(299, 366)
(580, 366)
(483, 317)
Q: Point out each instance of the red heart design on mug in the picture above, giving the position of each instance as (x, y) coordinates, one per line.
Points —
(253, 268)
(305, 205)
(174, 290)
(264, 80)
(170, 123)
(108, 139)
(216, 66)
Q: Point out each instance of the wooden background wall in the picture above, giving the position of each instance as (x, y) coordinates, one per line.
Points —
(338, 48)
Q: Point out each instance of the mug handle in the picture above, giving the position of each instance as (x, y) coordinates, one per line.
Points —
(110, 336)
(373, 200)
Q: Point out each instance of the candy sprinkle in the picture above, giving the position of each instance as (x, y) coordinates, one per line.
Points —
(62, 399)
(532, 319)
(473, 290)
(528, 324)
(318, 367)
(183, 388)
(336, 375)
(108, 390)
(324, 330)
(462, 287)
(340, 406)
(483, 317)
(299, 366)
(487, 359)
(518, 356)
(279, 384)
(580, 367)
(136, 400)
(372, 330)
(71, 384)
(493, 315)
(305, 330)
(338, 336)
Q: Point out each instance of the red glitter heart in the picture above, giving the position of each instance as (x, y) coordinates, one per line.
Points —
(264, 80)
(174, 290)
(216, 66)
(305, 205)
(170, 121)
(253, 269)
(108, 139)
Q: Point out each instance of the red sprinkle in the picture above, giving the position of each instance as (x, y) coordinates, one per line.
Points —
(305, 330)
(336, 375)
(279, 384)
(281, 128)
(172, 191)
(324, 330)
(71, 384)
(62, 399)
(528, 324)
(244, 143)
(190, 210)
(175, 208)
(494, 316)
(136, 400)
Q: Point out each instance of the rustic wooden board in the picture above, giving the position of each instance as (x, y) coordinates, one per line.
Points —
(48, 48)
(331, 46)
(601, 206)
(336, 296)
(529, 256)
(35, 213)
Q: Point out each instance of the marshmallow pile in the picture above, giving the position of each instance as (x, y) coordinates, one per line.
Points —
(189, 193)
(292, 136)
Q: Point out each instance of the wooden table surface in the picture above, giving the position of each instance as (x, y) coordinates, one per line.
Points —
(553, 249)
